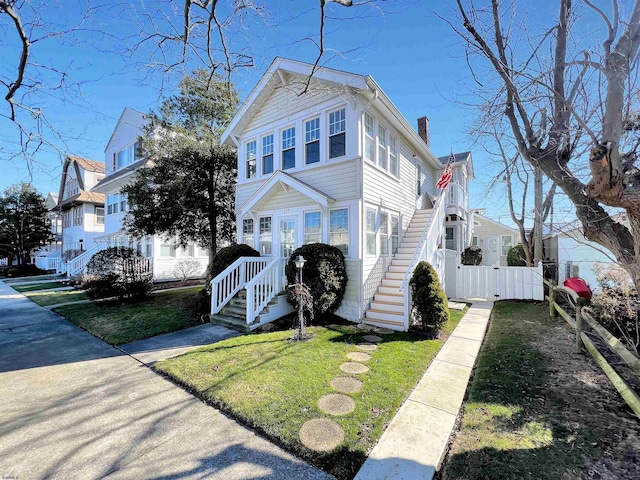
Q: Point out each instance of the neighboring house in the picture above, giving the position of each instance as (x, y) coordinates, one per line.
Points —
(48, 256)
(80, 208)
(574, 255)
(494, 238)
(122, 159)
(337, 164)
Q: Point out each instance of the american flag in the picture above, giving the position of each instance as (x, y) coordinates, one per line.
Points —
(447, 174)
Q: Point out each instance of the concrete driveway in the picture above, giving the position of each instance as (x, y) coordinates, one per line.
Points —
(71, 406)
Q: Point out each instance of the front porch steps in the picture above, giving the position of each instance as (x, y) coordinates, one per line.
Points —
(387, 307)
(234, 314)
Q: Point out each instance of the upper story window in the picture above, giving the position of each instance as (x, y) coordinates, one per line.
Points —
(77, 216)
(127, 156)
(267, 154)
(99, 213)
(337, 133)
(382, 147)
(289, 148)
(393, 156)
(312, 141)
(369, 142)
(251, 159)
(71, 188)
(124, 204)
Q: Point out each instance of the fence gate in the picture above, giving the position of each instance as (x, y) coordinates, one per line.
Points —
(500, 283)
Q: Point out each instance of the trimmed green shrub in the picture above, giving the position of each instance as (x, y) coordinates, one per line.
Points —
(471, 256)
(226, 256)
(117, 272)
(23, 270)
(516, 256)
(430, 305)
(325, 273)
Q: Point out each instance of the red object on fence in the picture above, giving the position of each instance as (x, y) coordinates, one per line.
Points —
(579, 286)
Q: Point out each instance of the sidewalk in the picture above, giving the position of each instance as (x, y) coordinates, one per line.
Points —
(414, 443)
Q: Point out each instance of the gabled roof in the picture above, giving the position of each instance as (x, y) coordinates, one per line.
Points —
(127, 112)
(78, 163)
(482, 218)
(86, 164)
(280, 178)
(459, 159)
(351, 83)
(119, 174)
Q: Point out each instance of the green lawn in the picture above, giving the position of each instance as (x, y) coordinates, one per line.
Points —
(272, 384)
(123, 323)
(52, 298)
(38, 286)
(536, 409)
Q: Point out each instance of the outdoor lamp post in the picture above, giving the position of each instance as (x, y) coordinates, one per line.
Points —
(300, 261)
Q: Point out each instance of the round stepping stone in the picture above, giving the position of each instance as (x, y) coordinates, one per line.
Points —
(364, 326)
(383, 331)
(336, 404)
(359, 356)
(372, 338)
(321, 434)
(346, 384)
(367, 347)
(353, 367)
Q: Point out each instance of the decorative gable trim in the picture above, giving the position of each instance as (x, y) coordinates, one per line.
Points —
(285, 181)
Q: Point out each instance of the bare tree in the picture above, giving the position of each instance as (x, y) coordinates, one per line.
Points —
(588, 95)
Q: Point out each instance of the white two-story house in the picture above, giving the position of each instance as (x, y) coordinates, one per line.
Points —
(336, 162)
(122, 159)
(80, 207)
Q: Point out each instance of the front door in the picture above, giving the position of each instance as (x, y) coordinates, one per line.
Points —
(287, 236)
(491, 255)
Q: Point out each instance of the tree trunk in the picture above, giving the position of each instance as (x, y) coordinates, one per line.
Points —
(537, 239)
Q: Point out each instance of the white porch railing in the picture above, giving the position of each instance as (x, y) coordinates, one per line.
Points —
(233, 279)
(262, 288)
(77, 265)
(49, 262)
(427, 250)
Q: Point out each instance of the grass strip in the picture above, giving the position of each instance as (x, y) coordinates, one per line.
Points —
(272, 384)
(120, 323)
(38, 286)
(52, 298)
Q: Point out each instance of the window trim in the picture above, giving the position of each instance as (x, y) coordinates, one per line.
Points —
(384, 221)
(244, 235)
(96, 216)
(304, 227)
(288, 145)
(315, 140)
(264, 148)
(330, 136)
(260, 234)
(248, 159)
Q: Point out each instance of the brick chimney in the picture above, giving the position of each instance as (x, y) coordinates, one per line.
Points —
(423, 129)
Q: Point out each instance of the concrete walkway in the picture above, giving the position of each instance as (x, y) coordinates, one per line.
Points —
(414, 443)
(74, 407)
(156, 349)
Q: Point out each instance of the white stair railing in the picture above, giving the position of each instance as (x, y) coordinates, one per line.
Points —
(262, 288)
(230, 281)
(76, 265)
(427, 250)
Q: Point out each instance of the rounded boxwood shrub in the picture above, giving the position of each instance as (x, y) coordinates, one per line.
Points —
(430, 305)
(117, 272)
(471, 256)
(325, 273)
(226, 256)
(516, 256)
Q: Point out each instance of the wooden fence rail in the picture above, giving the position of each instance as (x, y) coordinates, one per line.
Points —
(583, 322)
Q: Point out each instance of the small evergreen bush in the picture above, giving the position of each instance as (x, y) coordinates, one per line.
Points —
(516, 256)
(325, 273)
(471, 256)
(117, 272)
(430, 305)
(226, 256)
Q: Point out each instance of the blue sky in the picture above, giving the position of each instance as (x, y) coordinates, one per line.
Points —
(413, 55)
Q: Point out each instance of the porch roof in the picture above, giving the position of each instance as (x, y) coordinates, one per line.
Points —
(283, 180)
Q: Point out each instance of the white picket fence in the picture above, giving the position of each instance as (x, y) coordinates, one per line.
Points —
(500, 283)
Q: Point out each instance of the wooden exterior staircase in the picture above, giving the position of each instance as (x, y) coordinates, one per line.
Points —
(387, 308)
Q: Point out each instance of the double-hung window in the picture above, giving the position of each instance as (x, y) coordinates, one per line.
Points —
(312, 141)
(266, 236)
(267, 154)
(384, 234)
(99, 212)
(450, 239)
(168, 249)
(337, 135)
(371, 231)
(124, 205)
(112, 203)
(369, 141)
(289, 148)
(77, 215)
(247, 231)
(339, 229)
(395, 233)
(251, 159)
(393, 156)
(382, 147)
(312, 227)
